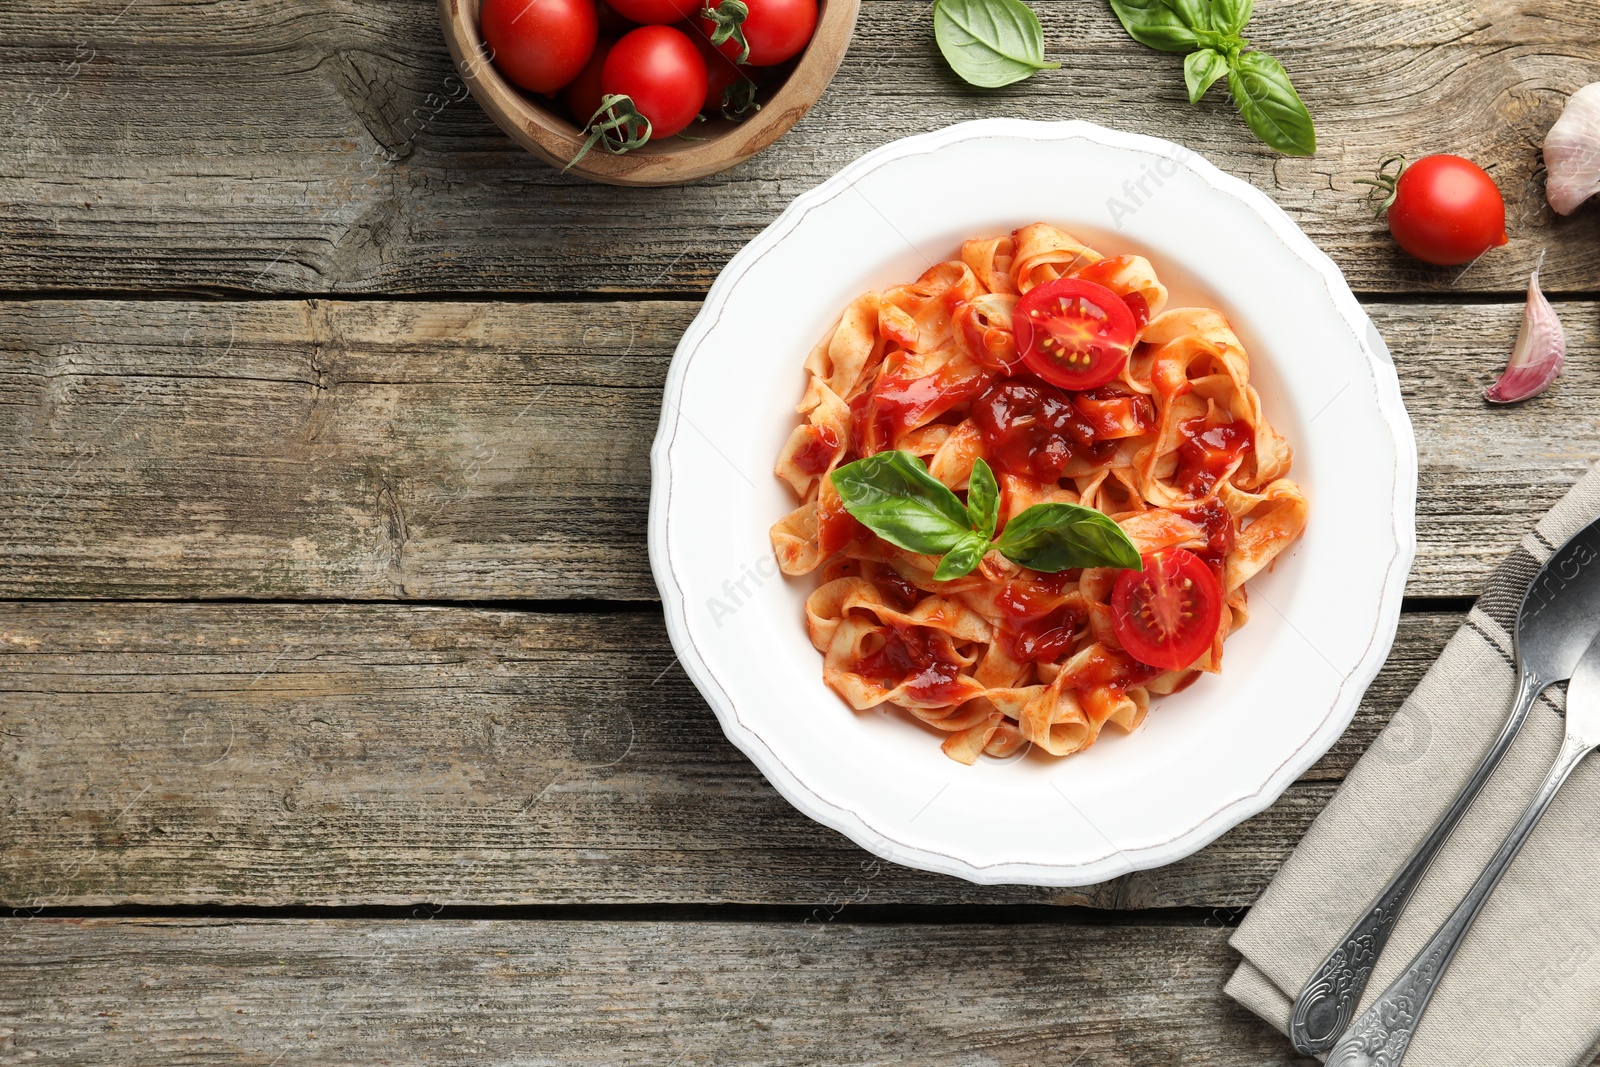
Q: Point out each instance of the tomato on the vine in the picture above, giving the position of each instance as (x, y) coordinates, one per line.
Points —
(661, 71)
(1168, 614)
(540, 45)
(774, 30)
(1442, 209)
(1073, 333)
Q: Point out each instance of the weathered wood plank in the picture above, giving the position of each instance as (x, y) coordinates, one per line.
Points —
(325, 146)
(478, 992)
(474, 450)
(281, 754)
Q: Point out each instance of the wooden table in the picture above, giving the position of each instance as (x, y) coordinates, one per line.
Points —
(339, 723)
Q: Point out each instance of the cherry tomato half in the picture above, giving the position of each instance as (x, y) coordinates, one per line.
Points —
(1447, 211)
(656, 12)
(1073, 333)
(775, 30)
(662, 72)
(540, 45)
(1167, 614)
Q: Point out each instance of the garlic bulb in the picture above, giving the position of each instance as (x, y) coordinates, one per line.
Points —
(1572, 152)
(1537, 357)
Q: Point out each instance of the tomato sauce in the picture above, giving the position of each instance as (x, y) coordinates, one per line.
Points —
(1034, 626)
(1207, 453)
(895, 405)
(910, 657)
(1104, 272)
(814, 456)
(1212, 515)
(836, 527)
(1115, 414)
(1030, 430)
(1109, 669)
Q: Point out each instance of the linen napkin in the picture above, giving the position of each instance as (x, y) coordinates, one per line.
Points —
(1524, 989)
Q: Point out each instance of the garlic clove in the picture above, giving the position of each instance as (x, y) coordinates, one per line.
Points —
(1538, 354)
(1572, 152)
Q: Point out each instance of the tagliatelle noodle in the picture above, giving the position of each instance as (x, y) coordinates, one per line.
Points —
(961, 656)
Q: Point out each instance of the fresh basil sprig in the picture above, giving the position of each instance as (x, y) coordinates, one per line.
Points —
(990, 43)
(893, 495)
(1209, 32)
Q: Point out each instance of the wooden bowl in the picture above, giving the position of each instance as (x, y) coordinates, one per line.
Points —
(542, 128)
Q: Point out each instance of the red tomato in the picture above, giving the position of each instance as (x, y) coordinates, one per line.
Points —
(656, 12)
(1167, 614)
(540, 45)
(661, 71)
(1447, 211)
(1073, 333)
(723, 75)
(582, 94)
(775, 30)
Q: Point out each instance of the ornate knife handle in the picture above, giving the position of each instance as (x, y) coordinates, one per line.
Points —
(1328, 1002)
(1383, 1033)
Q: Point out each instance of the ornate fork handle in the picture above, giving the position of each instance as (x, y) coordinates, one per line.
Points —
(1328, 1002)
(1383, 1033)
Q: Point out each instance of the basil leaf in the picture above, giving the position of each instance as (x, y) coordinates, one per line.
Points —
(1056, 537)
(983, 500)
(893, 495)
(1268, 102)
(1201, 69)
(990, 42)
(1170, 25)
(959, 561)
(1229, 16)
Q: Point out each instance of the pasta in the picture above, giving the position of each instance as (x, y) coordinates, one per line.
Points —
(1175, 449)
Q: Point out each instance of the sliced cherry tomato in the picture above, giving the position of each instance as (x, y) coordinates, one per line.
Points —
(1167, 614)
(775, 30)
(1073, 333)
(661, 71)
(582, 94)
(1446, 210)
(656, 12)
(540, 45)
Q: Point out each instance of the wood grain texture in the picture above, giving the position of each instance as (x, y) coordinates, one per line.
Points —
(376, 450)
(327, 146)
(278, 754)
(580, 993)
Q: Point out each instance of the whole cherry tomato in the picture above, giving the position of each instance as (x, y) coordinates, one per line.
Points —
(660, 70)
(775, 30)
(540, 45)
(656, 12)
(730, 88)
(1442, 209)
(582, 94)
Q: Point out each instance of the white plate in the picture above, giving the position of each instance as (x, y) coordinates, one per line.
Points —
(1322, 619)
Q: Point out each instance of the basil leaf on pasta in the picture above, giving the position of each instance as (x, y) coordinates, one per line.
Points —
(990, 43)
(959, 561)
(1268, 102)
(1201, 69)
(1055, 537)
(983, 500)
(893, 495)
